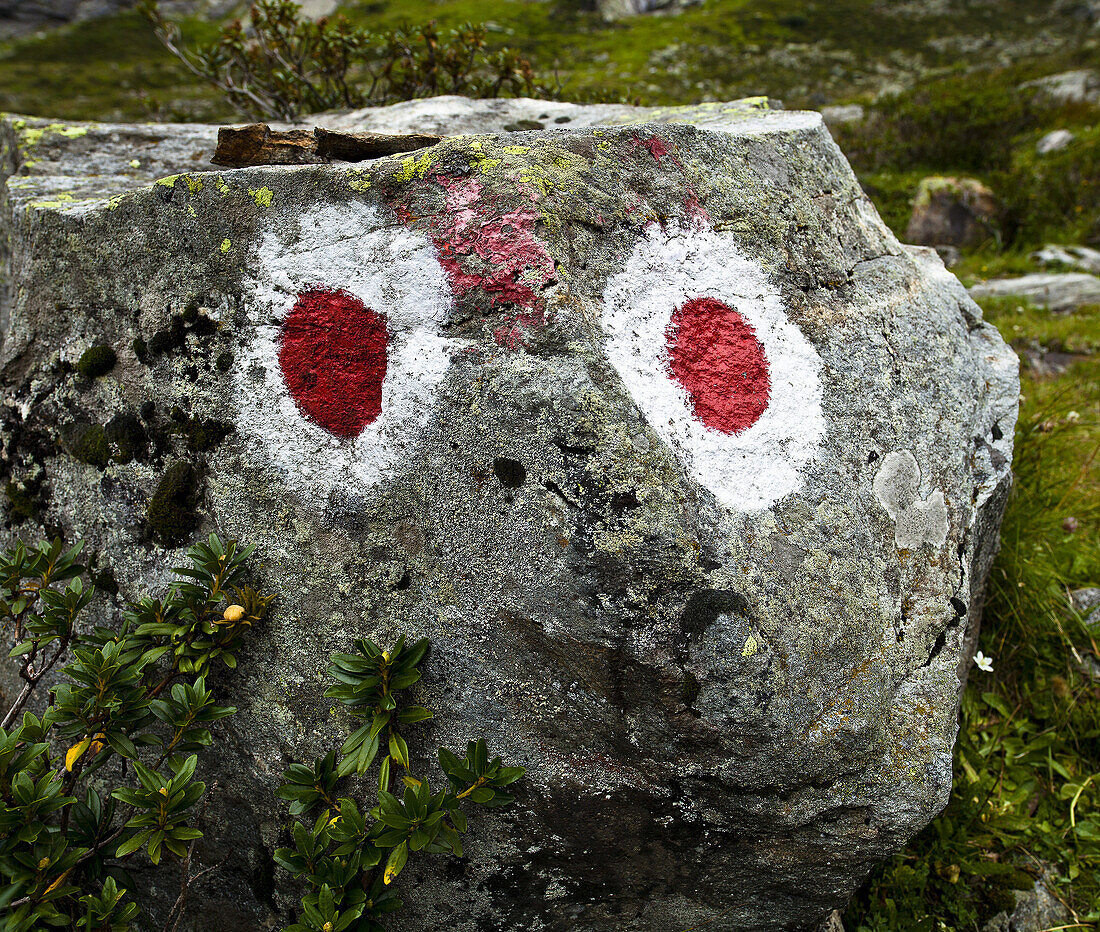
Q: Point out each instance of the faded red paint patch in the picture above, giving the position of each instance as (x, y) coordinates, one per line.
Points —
(332, 353)
(715, 355)
(496, 252)
(482, 247)
(657, 147)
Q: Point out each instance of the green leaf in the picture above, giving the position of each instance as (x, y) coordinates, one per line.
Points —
(396, 862)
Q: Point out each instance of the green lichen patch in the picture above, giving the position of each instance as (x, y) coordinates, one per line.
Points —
(173, 510)
(92, 447)
(96, 361)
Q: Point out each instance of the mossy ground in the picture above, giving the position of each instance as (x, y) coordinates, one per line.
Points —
(1027, 787)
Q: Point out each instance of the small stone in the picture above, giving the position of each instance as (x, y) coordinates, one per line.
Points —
(839, 114)
(1054, 141)
(1087, 602)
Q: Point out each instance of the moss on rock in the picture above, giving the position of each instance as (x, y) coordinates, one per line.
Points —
(96, 361)
(93, 447)
(127, 437)
(172, 513)
(22, 501)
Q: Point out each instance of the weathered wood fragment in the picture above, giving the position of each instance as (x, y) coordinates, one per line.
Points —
(259, 144)
(355, 147)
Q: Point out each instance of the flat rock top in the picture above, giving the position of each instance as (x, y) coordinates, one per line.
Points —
(65, 166)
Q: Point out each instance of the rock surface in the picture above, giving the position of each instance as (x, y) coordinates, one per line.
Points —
(1058, 291)
(1037, 910)
(1087, 602)
(1079, 257)
(689, 470)
(952, 212)
(1070, 87)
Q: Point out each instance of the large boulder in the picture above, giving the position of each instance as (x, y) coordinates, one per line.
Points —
(690, 471)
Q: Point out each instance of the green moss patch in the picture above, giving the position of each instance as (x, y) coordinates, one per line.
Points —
(22, 500)
(92, 447)
(96, 361)
(173, 510)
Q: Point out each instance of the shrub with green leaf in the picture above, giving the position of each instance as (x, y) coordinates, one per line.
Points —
(347, 857)
(283, 65)
(108, 770)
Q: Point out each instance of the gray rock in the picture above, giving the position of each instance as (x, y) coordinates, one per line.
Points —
(1080, 257)
(19, 17)
(1058, 291)
(952, 212)
(1037, 910)
(730, 656)
(1069, 87)
(1054, 141)
(622, 9)
(1087, 602)
(840, 114)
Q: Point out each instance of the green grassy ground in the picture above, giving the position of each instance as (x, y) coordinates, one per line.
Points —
(1027, 795)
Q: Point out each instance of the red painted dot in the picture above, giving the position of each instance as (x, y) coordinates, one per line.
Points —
(332, 352)
(714, 354)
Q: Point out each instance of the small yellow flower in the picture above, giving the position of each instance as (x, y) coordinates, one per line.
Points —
(163, 791)
(234, 613)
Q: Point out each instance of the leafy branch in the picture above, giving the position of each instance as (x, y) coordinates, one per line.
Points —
(133, 699)
(347, 858)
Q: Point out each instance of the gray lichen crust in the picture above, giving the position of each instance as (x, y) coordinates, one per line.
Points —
(730, 659)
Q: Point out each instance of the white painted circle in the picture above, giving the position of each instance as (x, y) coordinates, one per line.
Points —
(751, 470)
(392, 270)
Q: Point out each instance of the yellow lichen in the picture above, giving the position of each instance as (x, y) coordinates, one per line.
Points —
(55, 203)
(750, 648)
(262, 196)
(226, 245)
(358, 180)
(30, 136)
(411, 166)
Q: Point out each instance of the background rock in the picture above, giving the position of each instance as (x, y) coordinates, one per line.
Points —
(1069, 87)
(1059, 291)
(1037, 910)
(730, 661)
(952, 212)
(18, 17)
(1080, 257)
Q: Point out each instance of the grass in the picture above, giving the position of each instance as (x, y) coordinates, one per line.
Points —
(104, 69)
(1027, 764)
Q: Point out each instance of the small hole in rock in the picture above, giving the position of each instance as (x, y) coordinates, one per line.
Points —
(511, 473)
